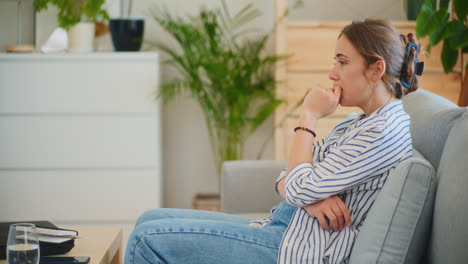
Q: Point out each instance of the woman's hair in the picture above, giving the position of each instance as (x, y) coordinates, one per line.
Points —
(377, 39)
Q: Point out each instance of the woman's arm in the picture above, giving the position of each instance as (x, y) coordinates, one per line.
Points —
(318, 103)
(331, 209)
(301, 150)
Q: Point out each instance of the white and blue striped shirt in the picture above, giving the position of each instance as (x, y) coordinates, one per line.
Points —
(353, 162)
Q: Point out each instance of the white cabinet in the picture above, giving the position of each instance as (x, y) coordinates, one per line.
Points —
(80, 137)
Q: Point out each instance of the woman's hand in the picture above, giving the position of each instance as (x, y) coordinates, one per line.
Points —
(332, 209)
(320, 102)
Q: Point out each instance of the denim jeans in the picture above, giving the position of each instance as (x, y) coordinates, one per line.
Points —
(201, 237)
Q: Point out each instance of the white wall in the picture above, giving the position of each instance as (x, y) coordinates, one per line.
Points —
(349, 10)
(188, 163)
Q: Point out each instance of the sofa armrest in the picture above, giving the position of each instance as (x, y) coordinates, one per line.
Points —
(248, 186)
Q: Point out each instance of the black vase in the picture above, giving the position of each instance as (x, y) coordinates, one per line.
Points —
(413, 7)
(127, 34)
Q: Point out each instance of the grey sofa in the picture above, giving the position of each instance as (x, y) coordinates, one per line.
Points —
(430, 227)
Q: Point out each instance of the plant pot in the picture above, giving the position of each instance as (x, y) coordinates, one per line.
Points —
(207, 202)
(127, 34)
(81, 37)
(413, 7)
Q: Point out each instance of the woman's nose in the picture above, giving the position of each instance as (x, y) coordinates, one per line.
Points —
(332, 74)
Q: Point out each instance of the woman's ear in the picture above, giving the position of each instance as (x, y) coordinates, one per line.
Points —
(377, 70)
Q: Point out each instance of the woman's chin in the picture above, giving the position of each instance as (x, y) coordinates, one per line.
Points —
(343, 102)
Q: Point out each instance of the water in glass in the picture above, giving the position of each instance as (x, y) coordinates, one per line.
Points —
(22, 246)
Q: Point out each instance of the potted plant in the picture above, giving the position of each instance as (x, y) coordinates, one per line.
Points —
(226, 68)
(440, 25)
(78, 18)
(126, 32)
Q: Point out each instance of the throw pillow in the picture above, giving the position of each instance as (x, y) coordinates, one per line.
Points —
(396, 229)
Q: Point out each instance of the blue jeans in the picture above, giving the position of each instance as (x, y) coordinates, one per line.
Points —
(191, 236)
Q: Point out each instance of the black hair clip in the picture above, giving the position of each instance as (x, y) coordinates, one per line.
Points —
(418, 66)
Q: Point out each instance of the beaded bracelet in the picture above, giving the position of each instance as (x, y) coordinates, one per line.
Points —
(305, 129)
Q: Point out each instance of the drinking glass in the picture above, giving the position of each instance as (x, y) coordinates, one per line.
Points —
(22, 245)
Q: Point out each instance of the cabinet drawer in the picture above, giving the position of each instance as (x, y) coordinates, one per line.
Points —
(77, 85)
(79, 141)
(78, 196)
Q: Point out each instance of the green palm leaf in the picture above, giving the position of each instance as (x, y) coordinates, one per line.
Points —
(225, 69)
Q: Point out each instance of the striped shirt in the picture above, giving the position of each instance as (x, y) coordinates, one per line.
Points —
(353, 162)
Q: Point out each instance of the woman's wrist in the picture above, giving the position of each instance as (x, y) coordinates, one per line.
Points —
(308, 120)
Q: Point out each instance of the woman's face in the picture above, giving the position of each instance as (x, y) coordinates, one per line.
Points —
(350, 73)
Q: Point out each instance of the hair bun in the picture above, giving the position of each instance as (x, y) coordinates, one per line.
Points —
(411, 67)
(417, 69)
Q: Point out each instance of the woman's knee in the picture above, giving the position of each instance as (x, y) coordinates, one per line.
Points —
(139, 250)
(155, 214)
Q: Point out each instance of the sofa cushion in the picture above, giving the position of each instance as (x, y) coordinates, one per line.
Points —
(432, 118)
(450, 222)
(396, 228)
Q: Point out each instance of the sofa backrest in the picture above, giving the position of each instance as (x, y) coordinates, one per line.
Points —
(432, 118)
(240, 198)
(440, 133)
(449, 237)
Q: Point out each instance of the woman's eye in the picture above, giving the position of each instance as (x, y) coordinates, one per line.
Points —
(342, 62)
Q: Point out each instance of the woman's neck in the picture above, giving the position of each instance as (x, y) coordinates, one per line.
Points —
(381, 96)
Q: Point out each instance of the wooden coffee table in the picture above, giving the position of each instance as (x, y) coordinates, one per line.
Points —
(103, 244)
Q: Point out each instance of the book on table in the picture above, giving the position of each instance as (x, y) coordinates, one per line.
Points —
(54, 231)
(52, 239)
(55, 235)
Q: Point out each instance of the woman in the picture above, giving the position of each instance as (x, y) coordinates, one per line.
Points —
(328, 186)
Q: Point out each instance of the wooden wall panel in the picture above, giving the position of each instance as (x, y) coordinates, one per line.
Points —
(313, 45)
(312, 48)
(447, 85)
